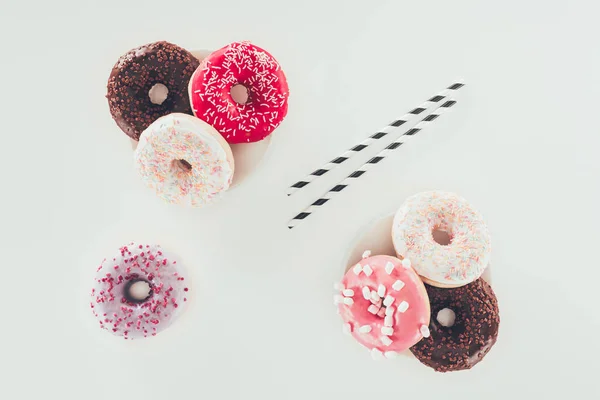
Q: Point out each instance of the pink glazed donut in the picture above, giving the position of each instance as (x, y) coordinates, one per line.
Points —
(115, 305)
(240, 63)
(384, 305)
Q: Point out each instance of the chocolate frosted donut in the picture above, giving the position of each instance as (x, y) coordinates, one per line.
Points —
(474, 332)
(136, 74)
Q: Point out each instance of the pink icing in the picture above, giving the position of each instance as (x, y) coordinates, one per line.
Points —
(355, 313)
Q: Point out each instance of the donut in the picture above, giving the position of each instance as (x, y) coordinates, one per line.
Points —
(240, 63)
(445, 238)
(383, 304)
(185, 160)
(134, 77)
(470, 338)
(113, 299)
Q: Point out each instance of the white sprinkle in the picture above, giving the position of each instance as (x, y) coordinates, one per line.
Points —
(376, 354)
(375, 297)
(357, 269)
(388, 320)
(365, 329)
(338, 286)
(373, 309)
(388, 300)
(347, 328)
(406, 263)
(348, 292)
(386, 340)
(389, 267)
(389, 311)
(381, 290)
(391, 354)
(425, 331)
(398, 285)
(403, 306)
(337, 299)
(348, 301)
(366, 254)
(366, 293)
(367, 270)
(386, 330)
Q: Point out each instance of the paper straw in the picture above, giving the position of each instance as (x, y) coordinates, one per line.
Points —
(434, 101)
(369, 164)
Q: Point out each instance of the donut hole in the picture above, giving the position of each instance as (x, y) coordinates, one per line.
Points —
(138, 291)
(182, 165)
(158, 93)
(446, 317)
(239, 94)
(441, 236)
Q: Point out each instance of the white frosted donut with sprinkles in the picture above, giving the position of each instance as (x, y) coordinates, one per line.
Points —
(240, 63)
(133, 313)
(185, 160)
(446, 240)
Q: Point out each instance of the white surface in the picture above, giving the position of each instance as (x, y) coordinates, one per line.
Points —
(521, 145)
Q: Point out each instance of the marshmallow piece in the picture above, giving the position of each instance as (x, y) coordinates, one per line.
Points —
(347, 328)
(381, 290)
(425, 331)
(367, 270)
(373, 309)
(386, 330)
(348, 292)
(376, 354)
(390, 354)
(403, 306)
(386, 340)
(366, 293)
(337, 299)
(388, 300)
(398, 285)
(357, 269)
(348, 301)
(366, 254)
(381, 312)
(338, 286)
(375, 297)
(389, 310)
(406, 263)
(388, 321)
(365, 329)
(389, 267)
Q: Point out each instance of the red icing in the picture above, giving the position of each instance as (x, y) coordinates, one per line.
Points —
(256, 69)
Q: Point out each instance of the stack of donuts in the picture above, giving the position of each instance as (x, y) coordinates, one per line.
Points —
(430, 298)
(184, 117)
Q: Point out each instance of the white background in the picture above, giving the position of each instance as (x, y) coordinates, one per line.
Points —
(521, 145)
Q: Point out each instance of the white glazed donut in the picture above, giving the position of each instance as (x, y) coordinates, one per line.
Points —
(185, 160)
(118, 309)
(456, 263)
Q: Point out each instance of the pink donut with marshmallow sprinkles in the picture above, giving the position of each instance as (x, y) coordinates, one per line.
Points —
(138, 292)
(384, 305)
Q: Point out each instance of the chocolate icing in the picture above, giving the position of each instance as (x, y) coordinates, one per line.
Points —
(136, 73)
(473, 334)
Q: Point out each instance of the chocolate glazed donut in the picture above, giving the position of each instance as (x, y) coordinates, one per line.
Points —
(473, 333)
(136, 73)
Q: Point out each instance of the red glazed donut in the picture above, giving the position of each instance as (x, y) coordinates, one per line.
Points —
(254, 68)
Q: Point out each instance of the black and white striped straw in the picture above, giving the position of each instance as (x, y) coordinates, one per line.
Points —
(369, 164)
(390, 128)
